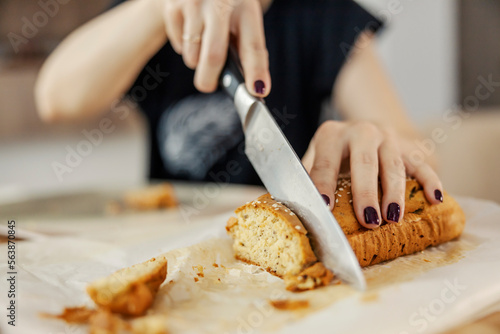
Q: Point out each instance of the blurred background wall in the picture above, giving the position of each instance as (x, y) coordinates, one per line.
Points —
(435, 51)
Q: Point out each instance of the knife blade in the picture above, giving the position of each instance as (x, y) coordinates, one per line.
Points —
(286, 179)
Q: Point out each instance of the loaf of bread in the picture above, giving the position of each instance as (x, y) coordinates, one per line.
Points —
(423, 225)
(268, 234)
(130, 291)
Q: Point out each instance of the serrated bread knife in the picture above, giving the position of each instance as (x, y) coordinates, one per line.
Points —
(284, 176)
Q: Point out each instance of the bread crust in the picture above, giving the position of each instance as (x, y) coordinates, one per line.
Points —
(153, 197)
(131, 297)
(423, 225)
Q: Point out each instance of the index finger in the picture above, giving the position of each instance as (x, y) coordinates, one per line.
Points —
(252, 49)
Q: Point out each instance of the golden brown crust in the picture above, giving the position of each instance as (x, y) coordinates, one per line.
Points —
(343, 210)
(423, 225)
(151, 198)
(289, 305)
(72, 315)
(267, 202)
(105, 322)
(132, 297)
(310, 278)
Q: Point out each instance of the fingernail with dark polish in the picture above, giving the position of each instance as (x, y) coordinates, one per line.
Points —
(393, 211)
(259, 86)
(371, 216)
(438, 195)
(326, 199)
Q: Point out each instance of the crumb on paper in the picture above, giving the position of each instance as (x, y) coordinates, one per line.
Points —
(72, 315)
(370, 297)
(289, 305)
(196, 279)
(425, 260)
(215, 265)
(199, 269)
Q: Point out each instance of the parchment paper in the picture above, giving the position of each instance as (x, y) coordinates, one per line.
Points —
(429, 292)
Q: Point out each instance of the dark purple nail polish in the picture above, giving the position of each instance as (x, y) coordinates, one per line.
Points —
(259, 86)
(371, 216)
(326, 199)
(438, 195)
(393, 211)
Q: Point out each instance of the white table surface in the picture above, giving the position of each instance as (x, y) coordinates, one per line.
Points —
(57, 220)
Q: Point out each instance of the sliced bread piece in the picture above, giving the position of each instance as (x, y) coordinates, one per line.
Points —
(130, 291)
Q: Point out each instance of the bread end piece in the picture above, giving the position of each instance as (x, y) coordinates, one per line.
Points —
(151, 198)
(130, 291)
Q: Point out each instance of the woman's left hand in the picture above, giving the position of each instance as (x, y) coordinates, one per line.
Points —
(370, 151)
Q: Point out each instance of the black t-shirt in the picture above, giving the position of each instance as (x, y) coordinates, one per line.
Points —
(198, 136)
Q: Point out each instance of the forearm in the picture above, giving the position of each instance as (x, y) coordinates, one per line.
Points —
(97, 63)
(363, 92)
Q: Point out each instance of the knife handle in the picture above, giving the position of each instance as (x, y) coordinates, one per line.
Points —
(231, 76)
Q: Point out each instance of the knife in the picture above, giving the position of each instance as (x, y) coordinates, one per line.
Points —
(284, 176)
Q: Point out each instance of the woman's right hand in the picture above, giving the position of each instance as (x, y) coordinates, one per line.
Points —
(200, 30)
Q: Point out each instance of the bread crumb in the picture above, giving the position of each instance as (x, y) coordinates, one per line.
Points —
(199, 269)
(369, 297)
(72, 315)
(289, 305)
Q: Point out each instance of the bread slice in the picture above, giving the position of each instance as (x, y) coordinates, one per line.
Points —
(268, 234)
(130, 291)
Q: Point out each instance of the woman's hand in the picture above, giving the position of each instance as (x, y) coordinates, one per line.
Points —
(200, 31)
(371, 151)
